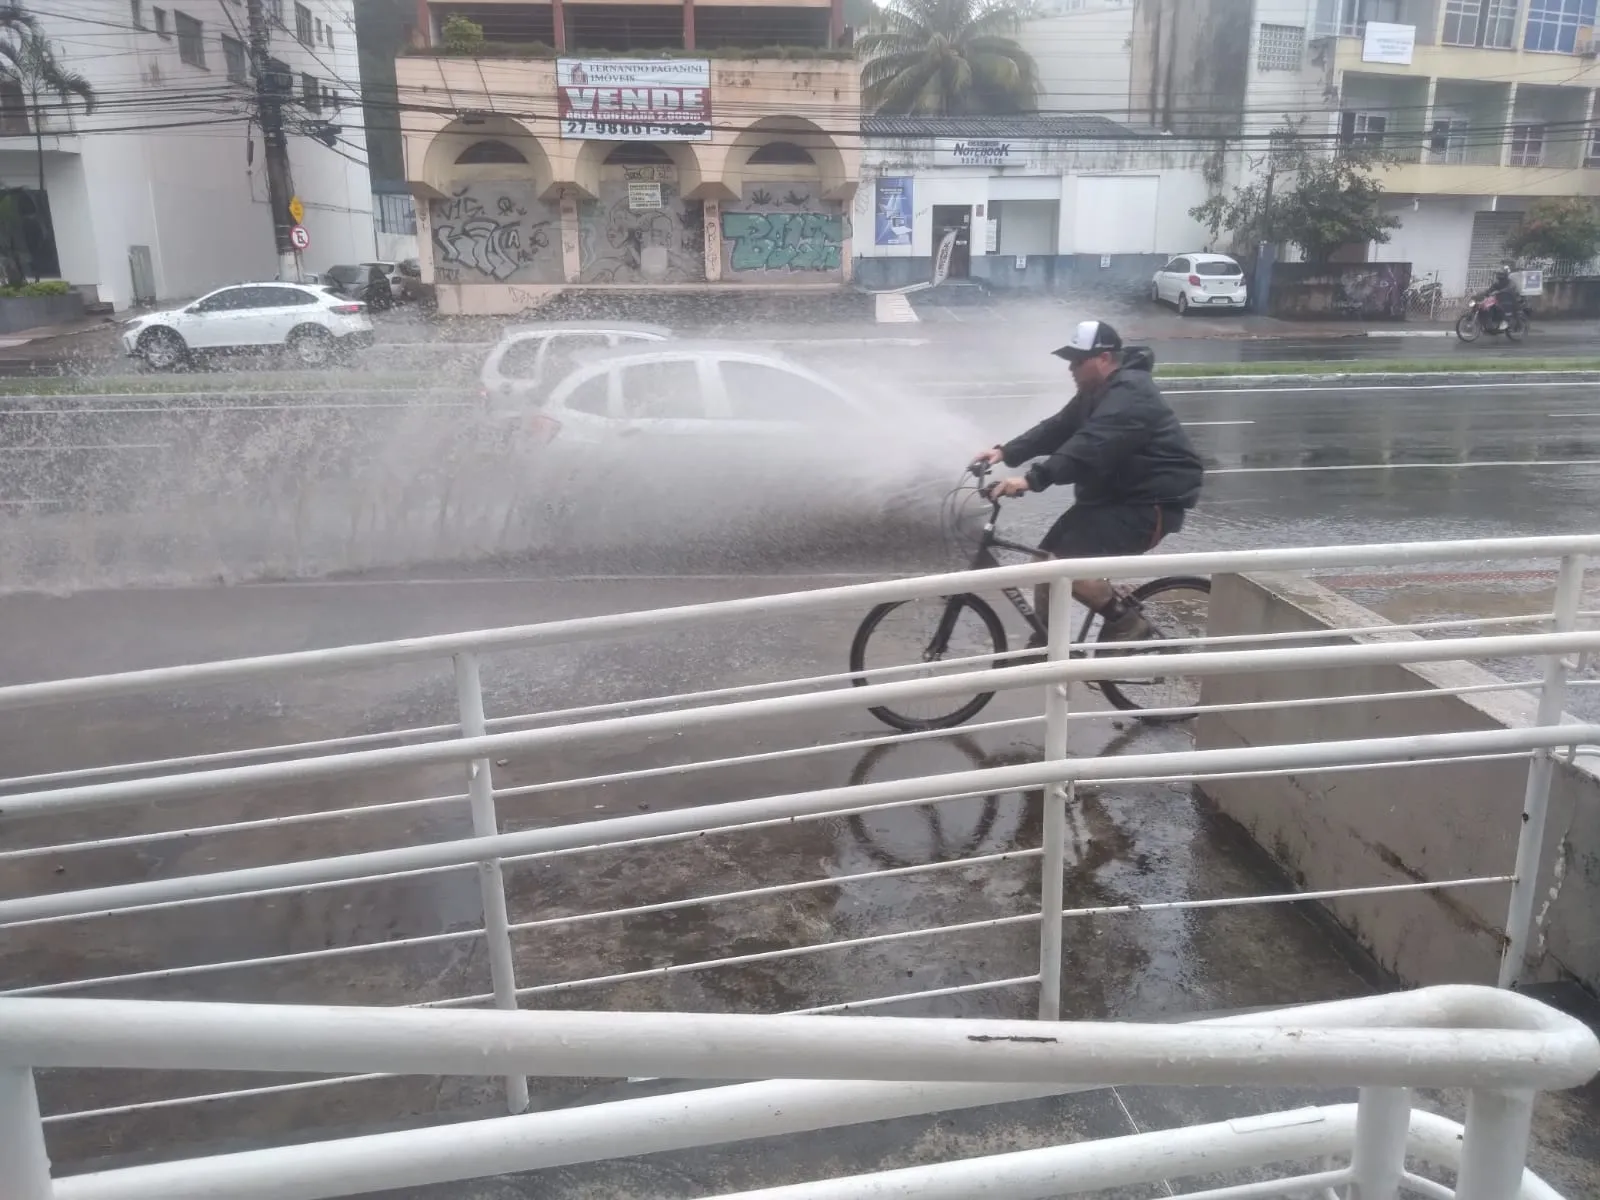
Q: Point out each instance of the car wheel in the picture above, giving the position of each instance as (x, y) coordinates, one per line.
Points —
(163, 349)
(1183, 303)
(1155, 292)
(311, 347)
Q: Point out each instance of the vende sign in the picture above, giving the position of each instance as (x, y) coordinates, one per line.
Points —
(635, 99)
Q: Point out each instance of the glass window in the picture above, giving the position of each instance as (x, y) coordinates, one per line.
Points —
(1218, 268)
(663, 391)
(191, 40)
(1592, 157)
(159, 16)
(1527, 145)
(565, 349)
(227, 300)
(1553, 24)
(1281, 48)
(310, 93)
(136, 10)
(233, 54)
(282, 297)
(1491, 23)
(762, 393)
(591, 396)
(1362, 128)
(521, 359)
(302, 24)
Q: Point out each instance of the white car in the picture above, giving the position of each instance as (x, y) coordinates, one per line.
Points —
(1200, 281)
(313, 324)
(528, 359)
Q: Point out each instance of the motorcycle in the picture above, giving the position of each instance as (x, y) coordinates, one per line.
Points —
(1490, 316)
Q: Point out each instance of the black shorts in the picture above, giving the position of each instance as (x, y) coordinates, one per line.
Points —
(1111, 530)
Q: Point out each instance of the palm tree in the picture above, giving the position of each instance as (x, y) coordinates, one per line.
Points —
(947, 58)
(28, 59)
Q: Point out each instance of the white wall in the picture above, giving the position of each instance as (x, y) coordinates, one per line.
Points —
(1436, 235)
(1271, 94)
(189, 192)
(1084, 57)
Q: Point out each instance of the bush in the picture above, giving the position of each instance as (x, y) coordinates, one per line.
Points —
(45, 287)
(1565, 230)
(462, 36)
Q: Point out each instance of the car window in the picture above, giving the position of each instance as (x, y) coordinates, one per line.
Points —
(227, 300)
(1180, 266)
(1217, 268)
(663, 391)
(757, 392)
(521, 358)
(591, 397)
(280, 297)
(565, 348)
(1174, 266)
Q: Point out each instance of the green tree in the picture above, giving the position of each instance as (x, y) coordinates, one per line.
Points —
(1303, 196)
(462, 36)
(28, 58)
(1560, 230)
(947, 58)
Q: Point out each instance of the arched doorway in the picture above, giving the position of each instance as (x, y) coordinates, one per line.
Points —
(640, 229)
(783, 228)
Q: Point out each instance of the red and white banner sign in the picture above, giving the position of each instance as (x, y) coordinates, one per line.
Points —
(634, 99)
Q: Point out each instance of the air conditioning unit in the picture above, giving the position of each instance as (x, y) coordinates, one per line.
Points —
(1587, 46)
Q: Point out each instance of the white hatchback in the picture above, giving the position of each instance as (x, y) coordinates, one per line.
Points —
(313, 324)
(1200, 281)
(529, 359)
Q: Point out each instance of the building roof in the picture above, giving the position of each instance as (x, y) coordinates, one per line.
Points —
(1020, 125)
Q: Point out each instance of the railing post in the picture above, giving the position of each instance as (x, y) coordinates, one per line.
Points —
(1053, 865)
(1494, 1148)
(491, 881)
(24, 1165)
(1536, 795)
(1383, 1123)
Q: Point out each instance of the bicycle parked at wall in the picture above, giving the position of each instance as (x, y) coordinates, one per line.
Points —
(966, 631)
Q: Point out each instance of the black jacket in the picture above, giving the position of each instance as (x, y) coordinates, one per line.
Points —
(1120, 445)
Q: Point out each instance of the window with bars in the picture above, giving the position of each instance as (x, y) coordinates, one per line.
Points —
(1488, 23)
(1553, 24)
(191, 39)
(136, 11)
(1591, 155)
(1281, 48)
(395, 213)
(1447, 140)
(310, 93)
(1527, 145)
(1363, 128)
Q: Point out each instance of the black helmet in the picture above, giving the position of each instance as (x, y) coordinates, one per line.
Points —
(1502, 274)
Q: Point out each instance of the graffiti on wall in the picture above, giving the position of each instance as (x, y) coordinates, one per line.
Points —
(783, 228)
(495, 231)
(641, 230)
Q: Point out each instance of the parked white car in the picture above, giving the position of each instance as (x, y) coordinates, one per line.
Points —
(1200, 281)
(529, 359)
(313, 324)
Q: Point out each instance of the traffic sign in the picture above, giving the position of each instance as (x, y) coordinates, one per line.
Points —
(300, 238)
(297, 210)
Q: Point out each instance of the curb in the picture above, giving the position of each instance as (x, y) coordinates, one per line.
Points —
(1374, 380)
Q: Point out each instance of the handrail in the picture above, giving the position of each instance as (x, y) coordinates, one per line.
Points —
(375, 654)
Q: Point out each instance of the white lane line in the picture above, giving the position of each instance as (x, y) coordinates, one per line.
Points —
(1509, 462)
(1197, 424)
(219, 408)
(243, 393)
(86, 446)
(1380, 387)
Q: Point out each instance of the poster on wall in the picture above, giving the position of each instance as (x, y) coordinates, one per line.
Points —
(634, 99)
(1387, 43)
(893, 223)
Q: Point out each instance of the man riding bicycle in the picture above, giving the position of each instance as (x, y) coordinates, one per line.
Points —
(1133, 471)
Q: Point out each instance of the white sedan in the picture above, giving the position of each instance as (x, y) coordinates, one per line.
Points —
(1193, 281)
(313, 324)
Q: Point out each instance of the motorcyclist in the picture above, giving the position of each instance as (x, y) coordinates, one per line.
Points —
(1508, 297)
(1133, 471)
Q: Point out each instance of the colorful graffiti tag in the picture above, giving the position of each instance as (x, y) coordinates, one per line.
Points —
(780, 241)
(496, 231)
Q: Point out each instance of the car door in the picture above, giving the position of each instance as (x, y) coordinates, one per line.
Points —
(1177, 275)
(205, 324)
(278, 310)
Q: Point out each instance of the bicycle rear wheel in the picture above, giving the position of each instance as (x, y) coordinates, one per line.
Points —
(1178, 606)
(904, 633)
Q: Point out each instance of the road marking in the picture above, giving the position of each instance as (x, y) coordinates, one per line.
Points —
(242, 393)
(1509, 462)
(1378, 387)
(1198, 424)
(218, 408)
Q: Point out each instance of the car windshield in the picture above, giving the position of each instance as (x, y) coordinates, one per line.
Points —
(1217, 268)
(346, 274)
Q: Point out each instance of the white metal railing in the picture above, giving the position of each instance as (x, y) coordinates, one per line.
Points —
(475, 741)
(824, 1072)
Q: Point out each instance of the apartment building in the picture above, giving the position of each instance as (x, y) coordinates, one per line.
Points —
(160, 192)
(639, 144)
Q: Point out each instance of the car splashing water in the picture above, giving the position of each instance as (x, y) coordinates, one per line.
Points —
(288, 474)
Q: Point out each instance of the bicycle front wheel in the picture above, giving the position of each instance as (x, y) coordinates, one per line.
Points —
(907, 634)
(1178, 607)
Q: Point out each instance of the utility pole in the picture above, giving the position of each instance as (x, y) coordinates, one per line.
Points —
(269, 109)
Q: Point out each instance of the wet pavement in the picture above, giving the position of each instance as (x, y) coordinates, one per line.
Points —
(210, 487)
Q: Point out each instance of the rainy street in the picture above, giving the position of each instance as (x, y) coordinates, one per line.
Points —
(146, 530)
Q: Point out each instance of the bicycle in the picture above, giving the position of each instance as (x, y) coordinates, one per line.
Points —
(1176, 607)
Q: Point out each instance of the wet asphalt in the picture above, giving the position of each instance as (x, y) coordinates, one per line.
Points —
(142, 532)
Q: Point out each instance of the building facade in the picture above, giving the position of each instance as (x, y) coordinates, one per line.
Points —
(160, 192)
(615, 153)
(1033, 201)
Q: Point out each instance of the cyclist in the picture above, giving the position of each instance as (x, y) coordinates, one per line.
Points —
(1508, 295)
(1132, 468)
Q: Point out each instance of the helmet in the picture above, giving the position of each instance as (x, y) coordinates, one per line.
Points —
(1502, 274)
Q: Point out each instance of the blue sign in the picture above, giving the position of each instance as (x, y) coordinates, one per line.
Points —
(893, 223)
